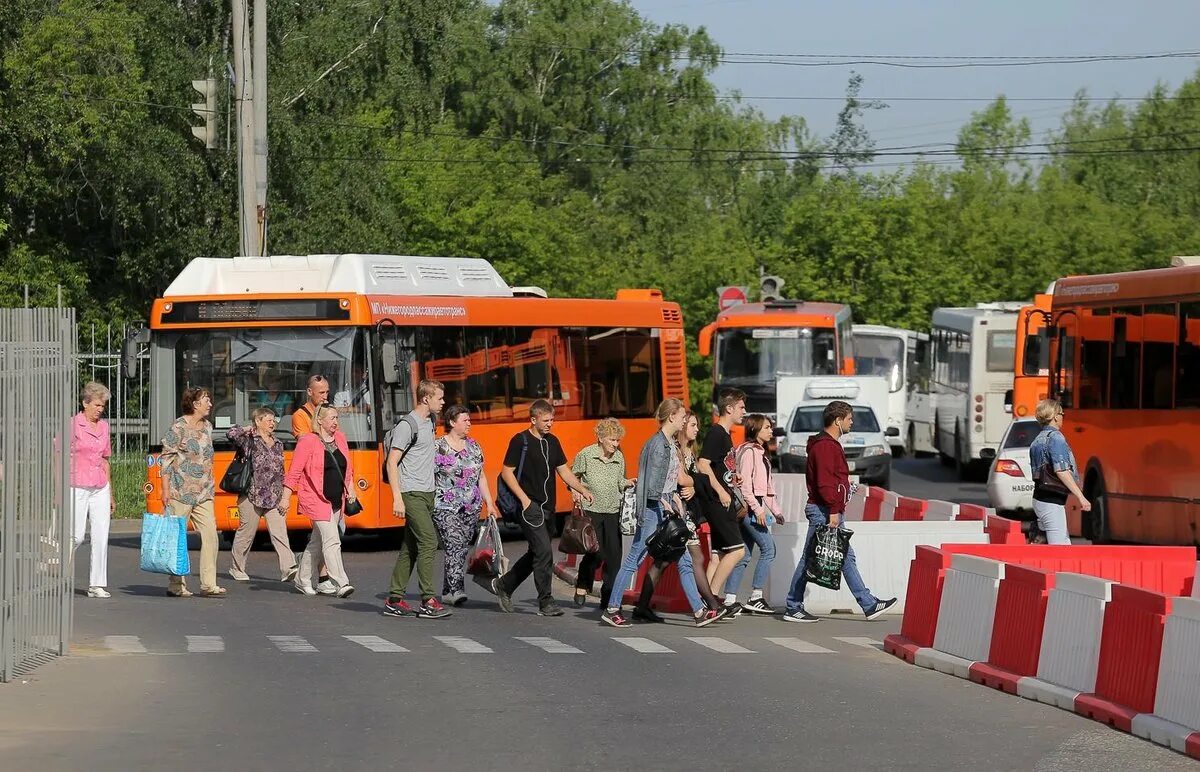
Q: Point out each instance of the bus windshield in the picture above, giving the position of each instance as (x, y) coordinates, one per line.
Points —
(1037, 353)
(750, 357)
(266, 367)
(880, 355)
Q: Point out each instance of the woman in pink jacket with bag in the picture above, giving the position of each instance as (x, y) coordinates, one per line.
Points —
(322, 479)
(762, 510)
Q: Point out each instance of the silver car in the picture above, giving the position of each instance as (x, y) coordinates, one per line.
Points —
(1010, 479)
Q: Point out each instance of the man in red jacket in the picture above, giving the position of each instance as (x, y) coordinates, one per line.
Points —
(828, 479)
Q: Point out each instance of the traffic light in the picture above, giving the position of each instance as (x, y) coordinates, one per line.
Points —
(206, 110)
(770, 288)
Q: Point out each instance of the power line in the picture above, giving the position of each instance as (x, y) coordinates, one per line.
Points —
(729, 96)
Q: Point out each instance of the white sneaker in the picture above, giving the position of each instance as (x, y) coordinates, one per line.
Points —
(238, 576)
(454, 598)
(345, 591)
(98, 592)
(304, 588)
(327, 587)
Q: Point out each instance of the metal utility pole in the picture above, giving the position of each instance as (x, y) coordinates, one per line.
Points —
(260, 122)
(248, 242)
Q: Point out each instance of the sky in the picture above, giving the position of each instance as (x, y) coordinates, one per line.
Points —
(940, 28)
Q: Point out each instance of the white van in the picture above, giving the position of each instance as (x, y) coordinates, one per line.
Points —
(868, 453)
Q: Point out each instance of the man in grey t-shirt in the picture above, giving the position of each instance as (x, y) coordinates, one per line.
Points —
(410, 474)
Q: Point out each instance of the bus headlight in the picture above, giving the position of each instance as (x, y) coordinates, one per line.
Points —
(874, 450)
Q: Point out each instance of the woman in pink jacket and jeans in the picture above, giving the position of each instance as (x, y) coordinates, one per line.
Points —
(321, 477)
(758, 490)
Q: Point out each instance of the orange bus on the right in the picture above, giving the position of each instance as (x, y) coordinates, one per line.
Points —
(1127, 369)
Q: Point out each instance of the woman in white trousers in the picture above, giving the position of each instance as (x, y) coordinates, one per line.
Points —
(91, 482)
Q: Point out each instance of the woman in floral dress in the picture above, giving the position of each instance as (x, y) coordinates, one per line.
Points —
(461, 491)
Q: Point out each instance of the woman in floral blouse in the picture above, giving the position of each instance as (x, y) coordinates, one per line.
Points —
(265, 455)
(461, 492)
(187, 485)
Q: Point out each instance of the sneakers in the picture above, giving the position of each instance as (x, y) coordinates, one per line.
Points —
(506, 604)
(238, 576)
(345, 591)
(291, 574)
(881, 606)
(455, 598)
(327, 587)
(799, 615)
(397, 608)
(733, 610)
(304, 588)
(646, 615)
(98, 592)
(615, 618)
(549, 608)
(580, 599)
(433, 609)
(758, 606)
(708, 616)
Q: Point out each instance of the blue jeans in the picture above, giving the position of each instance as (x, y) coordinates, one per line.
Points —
(818, 517)
(753, 535)
(637, 553)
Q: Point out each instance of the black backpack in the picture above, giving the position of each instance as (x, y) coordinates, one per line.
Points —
(507, 501)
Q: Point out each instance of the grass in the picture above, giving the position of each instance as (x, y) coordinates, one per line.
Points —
(128, 477)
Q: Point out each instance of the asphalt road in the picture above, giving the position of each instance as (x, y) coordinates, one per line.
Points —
(267, 679)
(926, 478)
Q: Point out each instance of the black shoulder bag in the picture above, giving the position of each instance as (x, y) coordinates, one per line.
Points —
(507, 501)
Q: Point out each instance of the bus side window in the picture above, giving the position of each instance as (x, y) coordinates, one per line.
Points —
(1127, 358)
(1187, 368)
(1160, 326)
(1095, 332)
(1066, 366)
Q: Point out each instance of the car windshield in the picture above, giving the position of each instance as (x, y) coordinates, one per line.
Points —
(880, 355)
(1021, 434)
(809, 420)
(265, 367)
(757, 356)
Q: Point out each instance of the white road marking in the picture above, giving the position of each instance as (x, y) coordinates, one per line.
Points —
(866, 643)
(463, 645)
(375, 643)
(720, 645)
(292, 644)
(802, 646)
(124, 644)
(550, 645)
(205, 643)
(643, 645)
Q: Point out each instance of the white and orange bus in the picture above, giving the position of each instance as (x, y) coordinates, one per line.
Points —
(253, 329)
(752, 344)
(1127, 369)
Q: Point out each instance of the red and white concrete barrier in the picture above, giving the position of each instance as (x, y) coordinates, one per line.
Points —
(1070, 649)
(968, 607)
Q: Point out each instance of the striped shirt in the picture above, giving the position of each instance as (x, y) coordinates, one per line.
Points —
(604, 477)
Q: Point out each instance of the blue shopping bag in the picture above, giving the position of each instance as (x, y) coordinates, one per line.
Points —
(164, 544)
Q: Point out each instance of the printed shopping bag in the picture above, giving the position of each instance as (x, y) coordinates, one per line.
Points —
(826, 555)
(164, 544)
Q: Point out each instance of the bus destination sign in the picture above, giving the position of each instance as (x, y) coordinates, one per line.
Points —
(299, 309)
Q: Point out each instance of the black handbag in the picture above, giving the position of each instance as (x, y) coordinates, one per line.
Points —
(351, 506)
(237, 477)
(669, 540)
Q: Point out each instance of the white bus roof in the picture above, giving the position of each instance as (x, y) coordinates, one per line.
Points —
(882, 329)
(363, 274)
(964, 319)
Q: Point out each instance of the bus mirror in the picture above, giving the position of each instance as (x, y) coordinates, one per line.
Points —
(388, 352)
(892, 431)
(704, 344)
(129, 352)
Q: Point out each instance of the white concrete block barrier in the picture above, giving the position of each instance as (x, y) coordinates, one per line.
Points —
(791, 492)
(1176, 718)
(965, 616)
(941, 510)
(857, 504)
(1070, 649)
(884, 552)
(887, 511)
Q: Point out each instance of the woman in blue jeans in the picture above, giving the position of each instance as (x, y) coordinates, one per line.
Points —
(658, 476)
(758, 490)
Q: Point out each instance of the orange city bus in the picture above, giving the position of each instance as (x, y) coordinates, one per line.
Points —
(1127, 369)
(754, 343)
(253, 329)
(1031, 368)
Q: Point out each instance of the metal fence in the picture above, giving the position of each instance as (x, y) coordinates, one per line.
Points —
(128, 412)
(38, 387)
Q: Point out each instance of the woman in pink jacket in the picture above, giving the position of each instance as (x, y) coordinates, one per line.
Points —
(758, 490)
(321, 477)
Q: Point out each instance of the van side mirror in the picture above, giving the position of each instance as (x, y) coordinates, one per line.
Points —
(892, 431)
(779, 431)
(988, 454)
(389, 353)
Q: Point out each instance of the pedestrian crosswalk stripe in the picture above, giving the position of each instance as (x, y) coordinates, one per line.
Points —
(643, 645)
(853, 640)
(205, 643)
(550, 645)
(291, 643)
(124, 644)
(463, 645)
(375, 643)
(720, 645)
(796, 644)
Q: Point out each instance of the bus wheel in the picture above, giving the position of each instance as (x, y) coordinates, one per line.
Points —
(937, 444)
(1098, 517)
(962, 468)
